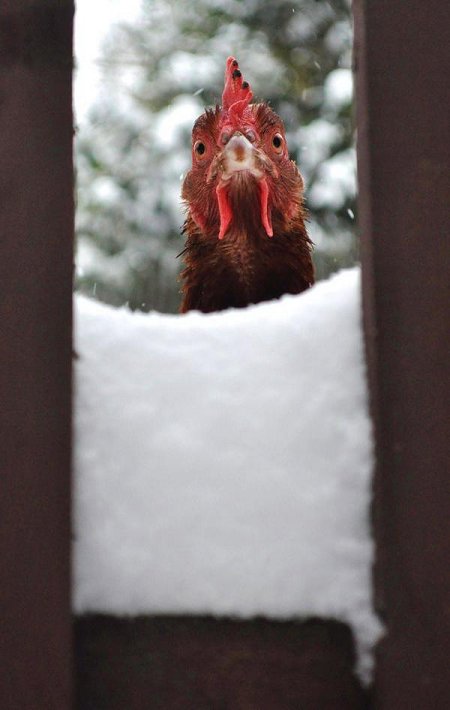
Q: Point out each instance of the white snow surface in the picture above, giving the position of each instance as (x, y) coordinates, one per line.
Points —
(223, 461)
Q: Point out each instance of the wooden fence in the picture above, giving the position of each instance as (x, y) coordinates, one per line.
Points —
(402, 70)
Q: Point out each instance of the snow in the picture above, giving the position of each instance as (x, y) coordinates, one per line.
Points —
(336, 181)
(338, 89)
(223, 461)
(173, 119)
(316, 141)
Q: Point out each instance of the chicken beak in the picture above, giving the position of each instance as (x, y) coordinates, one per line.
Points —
(239, 155)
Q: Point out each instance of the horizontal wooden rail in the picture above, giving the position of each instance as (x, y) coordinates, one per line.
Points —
(202, 663)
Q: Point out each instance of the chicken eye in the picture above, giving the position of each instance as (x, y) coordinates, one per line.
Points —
(199, 148)
(277, 142)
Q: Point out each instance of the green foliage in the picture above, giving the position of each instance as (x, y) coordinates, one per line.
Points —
(158, 75)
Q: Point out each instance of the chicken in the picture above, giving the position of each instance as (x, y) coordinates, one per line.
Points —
(246, 236)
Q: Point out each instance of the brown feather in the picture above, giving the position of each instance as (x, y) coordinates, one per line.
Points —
(246, 267)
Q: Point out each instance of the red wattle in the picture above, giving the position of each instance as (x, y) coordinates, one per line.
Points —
(265, 213)
(225, 212)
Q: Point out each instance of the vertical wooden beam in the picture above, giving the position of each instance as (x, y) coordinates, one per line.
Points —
(36, 242)
(402, 70)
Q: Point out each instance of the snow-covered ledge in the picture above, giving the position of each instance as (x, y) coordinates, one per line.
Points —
(223, 461)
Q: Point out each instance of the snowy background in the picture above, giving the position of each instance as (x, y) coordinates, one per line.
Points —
(93, 23)
(223, 461)
(146, 70)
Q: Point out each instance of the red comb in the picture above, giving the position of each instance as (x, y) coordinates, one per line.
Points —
(237, 93)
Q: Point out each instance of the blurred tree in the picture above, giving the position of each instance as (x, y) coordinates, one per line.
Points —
(158, 75)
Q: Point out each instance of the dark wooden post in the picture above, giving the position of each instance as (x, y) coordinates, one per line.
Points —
(402, 70)
(36, 235)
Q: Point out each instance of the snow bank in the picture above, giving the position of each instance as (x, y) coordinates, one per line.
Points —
(223, 461)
